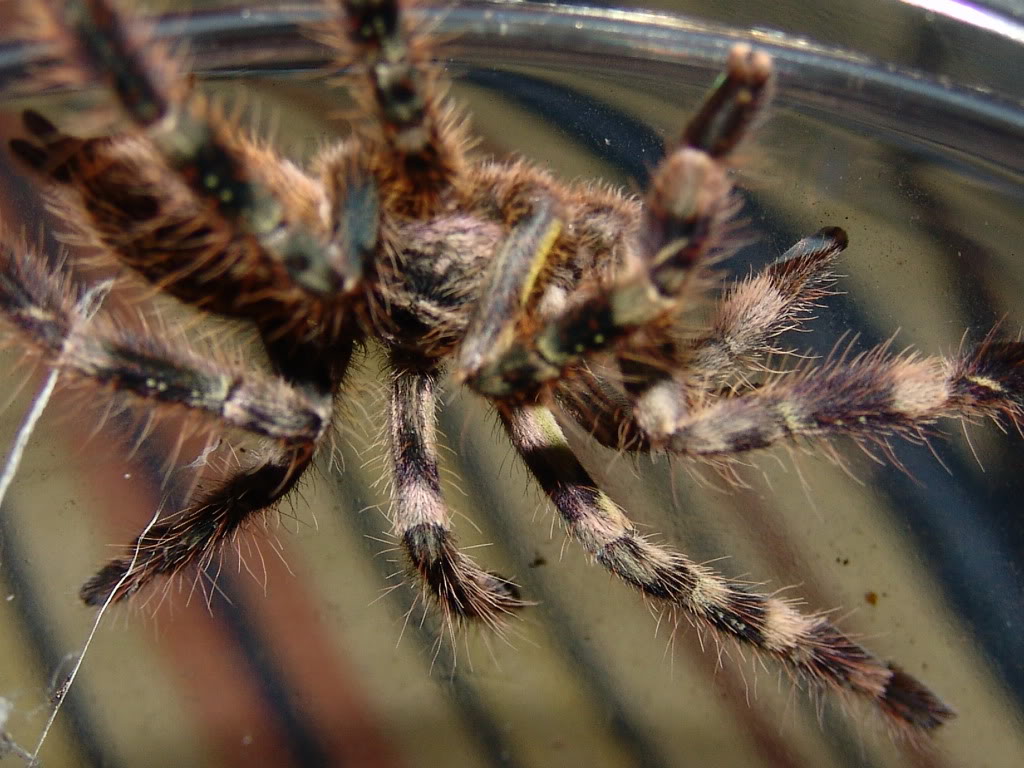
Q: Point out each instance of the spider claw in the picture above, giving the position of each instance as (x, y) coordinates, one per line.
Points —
(909, 702)
(109, 584)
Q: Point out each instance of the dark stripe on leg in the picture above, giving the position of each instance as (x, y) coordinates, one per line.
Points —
(195, 535)
(461, 589)
(811, 647)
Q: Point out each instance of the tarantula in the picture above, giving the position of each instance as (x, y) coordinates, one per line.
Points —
(540, 296)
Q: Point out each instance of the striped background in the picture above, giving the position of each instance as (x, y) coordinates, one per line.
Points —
(300, 658)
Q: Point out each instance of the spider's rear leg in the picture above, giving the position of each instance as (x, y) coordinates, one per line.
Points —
(42, 306)
(684, 222)
(418, 141)
(420, 515)
(45, 311)
(812, 647)
(194, 536)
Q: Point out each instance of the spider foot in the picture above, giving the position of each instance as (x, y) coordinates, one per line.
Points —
(460, 587)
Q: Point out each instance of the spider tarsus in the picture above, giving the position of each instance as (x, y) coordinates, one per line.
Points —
(195, 535)
(912, 704)
(98, 589)
(735, 104)
(459, 587)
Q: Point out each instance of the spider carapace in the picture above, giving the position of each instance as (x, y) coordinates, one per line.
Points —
(544, 297)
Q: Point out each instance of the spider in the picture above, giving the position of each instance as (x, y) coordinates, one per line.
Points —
(556, 302)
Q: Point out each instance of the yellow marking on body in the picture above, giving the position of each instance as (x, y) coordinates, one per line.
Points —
(987, 383)
(540, 258)
(791, 415)
(669, 251)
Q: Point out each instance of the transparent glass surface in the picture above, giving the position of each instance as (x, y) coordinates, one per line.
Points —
(299, 657)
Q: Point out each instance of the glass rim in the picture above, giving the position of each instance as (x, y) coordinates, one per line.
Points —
(254, 42)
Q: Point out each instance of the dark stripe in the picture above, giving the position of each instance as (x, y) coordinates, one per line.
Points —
(834, 656)
(742, 618)
(303, 741)
(415, 463)
(105, 40)
(78, 709)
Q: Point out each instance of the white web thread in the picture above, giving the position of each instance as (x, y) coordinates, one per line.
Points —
(61, 692)
(10, 470)
(87, 306)
(25, 432)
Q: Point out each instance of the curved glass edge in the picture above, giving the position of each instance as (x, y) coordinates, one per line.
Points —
(251, 41)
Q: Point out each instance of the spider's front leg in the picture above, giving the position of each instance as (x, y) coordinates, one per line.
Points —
(417, 142)
(742, 332)
(869, 398)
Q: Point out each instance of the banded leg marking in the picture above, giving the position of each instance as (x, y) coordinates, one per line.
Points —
(810, 646)
(43, 309)
(421, 520)
(192, 143)
(871, 397)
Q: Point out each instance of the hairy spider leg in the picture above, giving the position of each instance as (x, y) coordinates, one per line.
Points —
(759, 308)
(43, 309)
(684, 223)
(194, 536)
(420, 516)
(810, 646)
(224, 224)
(686, 212)
(217, 220)
(871, 397)
(751, 314)
(418, 141)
